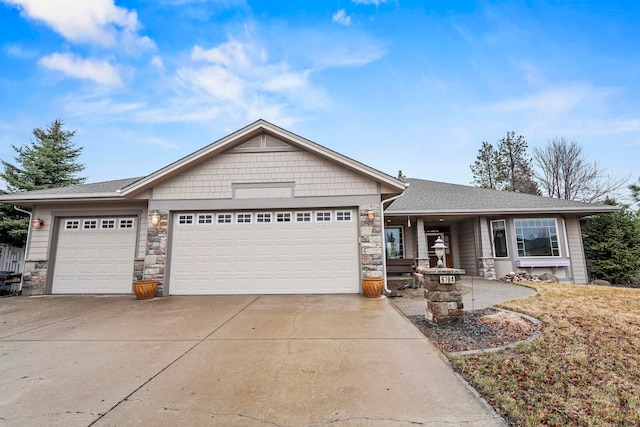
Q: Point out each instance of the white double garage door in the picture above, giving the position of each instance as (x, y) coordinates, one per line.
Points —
(258, 252)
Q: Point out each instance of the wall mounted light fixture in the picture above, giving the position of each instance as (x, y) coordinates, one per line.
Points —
(37, 222)
(155, 219)
(370, 214)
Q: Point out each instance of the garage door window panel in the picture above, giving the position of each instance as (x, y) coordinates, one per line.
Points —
(283, 217)
(126, 223)
(223, 218)
(72, 224)
(343, 216)
(323, 216)
(205, 218)
(263, 217)
(303, 216)
(108, 224)
(243, 218)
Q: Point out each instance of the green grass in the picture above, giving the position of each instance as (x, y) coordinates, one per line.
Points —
(583, 371)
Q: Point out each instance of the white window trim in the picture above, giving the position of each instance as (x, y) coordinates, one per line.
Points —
(343, 211)
(69, 222)
(186, 217)
(284, 213)
(104, 220)
(121, 220)
(493, 243)
(244, 214)
(271, 218)
(86, 222)
(225, 215)
(203, 216)
(302, 218)
(323, 219)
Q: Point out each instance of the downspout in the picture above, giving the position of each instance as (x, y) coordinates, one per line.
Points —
(26, 246)
(382, 223)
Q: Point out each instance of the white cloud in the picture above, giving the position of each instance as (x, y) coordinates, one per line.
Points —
(99, 71)
(19, 51)
(341, 17)
(156, 61)
(98, 22)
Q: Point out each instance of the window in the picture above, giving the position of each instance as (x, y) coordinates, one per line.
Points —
(224, 218)
(72, 224)
(303, 216)
(126, 223)
(90, 224)
(283, 217)
(498, 231)
(323, 216)
(263, 217)
(243, 218)
(343, 216)
(185, 219)
(394, 242)
(205, 218)
(108, 224)
(537, 237)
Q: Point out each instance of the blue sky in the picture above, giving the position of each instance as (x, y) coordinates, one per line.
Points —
(410, 85)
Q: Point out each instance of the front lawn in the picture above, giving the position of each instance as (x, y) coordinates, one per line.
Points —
(585, 368)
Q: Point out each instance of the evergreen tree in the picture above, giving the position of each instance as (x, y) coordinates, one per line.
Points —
(612, 245)
(513, 152)
(49, 161)
(488, 169)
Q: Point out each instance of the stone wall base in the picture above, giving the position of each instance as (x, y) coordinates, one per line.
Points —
(487, 268)
(34, 277)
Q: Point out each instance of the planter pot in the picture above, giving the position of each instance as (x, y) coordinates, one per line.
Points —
(145, 289)
(372, 287)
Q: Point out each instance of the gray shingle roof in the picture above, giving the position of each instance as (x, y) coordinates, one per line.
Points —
(96, 189)
(426, 197)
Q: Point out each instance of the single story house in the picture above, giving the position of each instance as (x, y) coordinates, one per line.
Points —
(265, 211)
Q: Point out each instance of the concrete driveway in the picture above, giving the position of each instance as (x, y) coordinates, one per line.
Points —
(233, 360)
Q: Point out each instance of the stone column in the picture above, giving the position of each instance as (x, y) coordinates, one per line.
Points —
(371, 246)
(155, 259)
(443, 294)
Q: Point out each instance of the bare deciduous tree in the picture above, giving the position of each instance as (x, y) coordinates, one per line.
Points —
(563, 172)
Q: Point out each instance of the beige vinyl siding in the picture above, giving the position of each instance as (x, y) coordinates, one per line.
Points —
(576, 250)
(466, 247)
(38, 247)
(313, 176)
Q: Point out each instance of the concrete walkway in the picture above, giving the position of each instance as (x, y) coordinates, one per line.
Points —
(341, 360)
(478, 294)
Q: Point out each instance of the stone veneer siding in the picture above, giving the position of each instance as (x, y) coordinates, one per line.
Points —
(155, 259)
(371, 245)
(34, 278)
(487, 268)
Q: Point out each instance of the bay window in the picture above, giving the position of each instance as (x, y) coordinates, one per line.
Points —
(537, 237)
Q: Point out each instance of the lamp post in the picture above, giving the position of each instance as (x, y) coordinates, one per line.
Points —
(439, 248)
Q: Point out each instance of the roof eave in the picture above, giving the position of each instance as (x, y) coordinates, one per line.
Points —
(458, 212)
(82, 197)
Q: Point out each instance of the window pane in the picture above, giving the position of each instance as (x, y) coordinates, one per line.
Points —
(537, 237)
(394, 243)
(498, 230)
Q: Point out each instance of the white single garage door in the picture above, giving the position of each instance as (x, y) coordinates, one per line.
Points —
(279, 252)
(95, 256)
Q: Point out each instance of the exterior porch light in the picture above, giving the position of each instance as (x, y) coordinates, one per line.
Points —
(38, 223)
(439, 248)
(155, 219)
(370, 214)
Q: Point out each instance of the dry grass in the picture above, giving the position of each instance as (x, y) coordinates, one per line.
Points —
(585, 368)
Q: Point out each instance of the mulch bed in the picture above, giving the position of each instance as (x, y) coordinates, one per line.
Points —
(472, 334)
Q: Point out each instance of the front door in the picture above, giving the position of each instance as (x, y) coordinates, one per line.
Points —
(433, 259)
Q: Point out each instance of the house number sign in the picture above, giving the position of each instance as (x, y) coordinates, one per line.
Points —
(448, 280)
